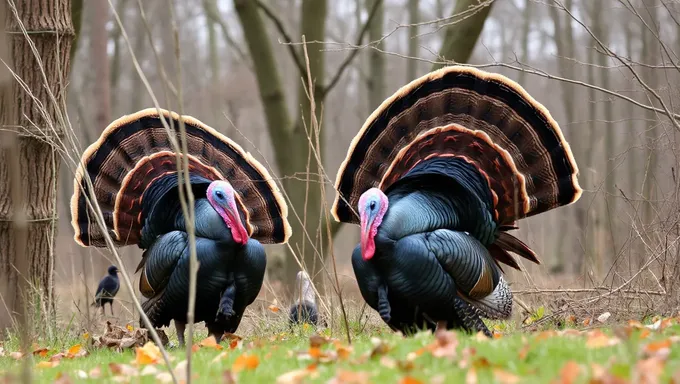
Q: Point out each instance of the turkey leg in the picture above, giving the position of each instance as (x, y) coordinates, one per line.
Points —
(226, 308)
(179, 327)
(383, 304)
(469, 317)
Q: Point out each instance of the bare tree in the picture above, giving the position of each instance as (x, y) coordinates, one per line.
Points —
(37, 123)
(464, 30)
(413, 20)
(376, 77)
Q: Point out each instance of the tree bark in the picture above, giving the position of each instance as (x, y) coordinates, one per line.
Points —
(461, 37)
(413, 19)
(51, 30)
(290, 141)
(376, 76)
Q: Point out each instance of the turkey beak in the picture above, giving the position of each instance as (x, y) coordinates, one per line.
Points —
(367, 243)
(238, 231)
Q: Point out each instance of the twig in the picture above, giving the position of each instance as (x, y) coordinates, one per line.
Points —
(282, 30)
(348, 60)
(583, 290)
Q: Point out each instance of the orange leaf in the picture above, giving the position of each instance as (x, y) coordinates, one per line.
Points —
(244, 362)
(293, 377)
(524, 351)
(317, 341)
(47, 364)
(42, 352)
(660, 349)
(569, 373)
(148, 354)
(597, 339)
(129, 327)
(274, 308)
(315, 352)
(409, 380)
(649, 370)
(350, 377)
(210, 342)
(195, 348)
(74, 350)
(587, 321)
(343, 352)
(505, 377)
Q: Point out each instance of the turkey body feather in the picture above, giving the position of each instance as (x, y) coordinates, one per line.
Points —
(438, 175)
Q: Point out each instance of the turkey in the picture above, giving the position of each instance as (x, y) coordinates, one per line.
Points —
(439, 174)
(304, 308)
(107, 289)
(133, 169)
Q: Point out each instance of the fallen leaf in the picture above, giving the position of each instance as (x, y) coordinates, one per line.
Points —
(181, 369)
(343, 352)
(505, 377)
(388, 362)
(122, 370)
(62, 378)
(47, 364)
(149, 370)
(409, 380)
(350, 377)
(57, 356)
(164, 377)
(42, 352)
(587, 321)
(148, 354)
(471, 376)
(524, 351)
(74, 350)
(660, 349)
(480, 336)
(210, 342)
(316, 341)
(379, 348)
(598, 339)
(228, 377)
(195, 348)
(129, 327)
(649, 371)
(604, 317)
(86, 335)
(245, 361)
(16, 355)
(274, 308)
(81, 374)
(445, 344)
(95, 373)
(293, 377)
(569, 373)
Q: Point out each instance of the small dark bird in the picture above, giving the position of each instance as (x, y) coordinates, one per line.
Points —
(107, 290)
(304, 309)
(237, 208)
(437, 177)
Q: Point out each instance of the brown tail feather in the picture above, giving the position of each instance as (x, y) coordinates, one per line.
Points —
(501, 255)
(510, 243)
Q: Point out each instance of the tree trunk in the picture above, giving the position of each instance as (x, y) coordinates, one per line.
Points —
(290, 141)
(461, 37)
(592, 245)
(413, 19)
(376, 76)
(650, 48)
(118, 47)
(51, 30)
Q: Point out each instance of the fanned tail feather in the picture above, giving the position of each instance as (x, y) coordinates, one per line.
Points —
(135, 151)
(483, 118)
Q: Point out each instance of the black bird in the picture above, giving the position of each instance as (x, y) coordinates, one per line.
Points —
(304, 308)
(237, 206)
(107, 289)
(438, 174)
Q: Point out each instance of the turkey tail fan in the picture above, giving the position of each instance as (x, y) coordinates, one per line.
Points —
(135, 150)
(483, 118)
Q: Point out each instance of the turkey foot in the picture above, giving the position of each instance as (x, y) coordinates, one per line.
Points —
(383, 304)
(470, 319)
(179, 327)
(226, 308)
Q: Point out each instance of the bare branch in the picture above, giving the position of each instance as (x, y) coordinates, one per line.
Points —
(348, 60)
(282, 30)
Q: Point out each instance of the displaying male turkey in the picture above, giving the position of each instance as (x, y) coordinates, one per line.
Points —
(133, 168)
(304, 308)
(107, 289)
(438, 174)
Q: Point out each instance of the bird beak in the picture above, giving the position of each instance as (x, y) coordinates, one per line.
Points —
(367, 242)
(238, 231)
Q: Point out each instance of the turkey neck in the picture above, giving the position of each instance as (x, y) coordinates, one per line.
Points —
(439, 193)
(162, 212)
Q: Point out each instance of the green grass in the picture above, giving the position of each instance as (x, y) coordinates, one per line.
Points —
(534, 357)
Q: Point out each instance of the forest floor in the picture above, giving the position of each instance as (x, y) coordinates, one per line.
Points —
(629, 353)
